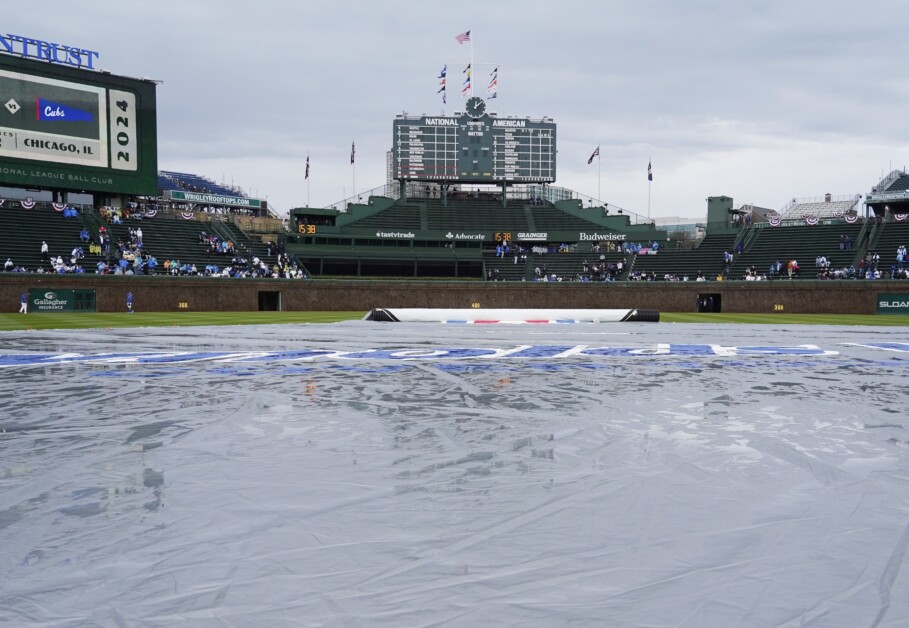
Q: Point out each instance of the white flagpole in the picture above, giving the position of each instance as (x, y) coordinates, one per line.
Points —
(471, 64)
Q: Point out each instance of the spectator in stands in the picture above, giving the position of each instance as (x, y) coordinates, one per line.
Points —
(84, 236)
(44, 251)
(8, 265)
(900, 256)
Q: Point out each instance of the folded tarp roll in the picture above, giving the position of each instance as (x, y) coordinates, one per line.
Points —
(515, 316)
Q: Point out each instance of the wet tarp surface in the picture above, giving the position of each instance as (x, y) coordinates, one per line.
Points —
(375, 474)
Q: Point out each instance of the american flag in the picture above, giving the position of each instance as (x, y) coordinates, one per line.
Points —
(306, 176)
(596, 153)
(463, 37)
(353, 151)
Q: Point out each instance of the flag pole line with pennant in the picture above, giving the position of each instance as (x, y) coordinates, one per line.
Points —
(465, 36)
(649, 183)
(353, 166)
(596, 154)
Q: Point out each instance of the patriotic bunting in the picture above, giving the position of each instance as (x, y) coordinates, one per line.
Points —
(186, 215)
(58, 207)
(27, 204)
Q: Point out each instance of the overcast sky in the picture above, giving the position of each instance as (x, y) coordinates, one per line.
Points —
(762, 101)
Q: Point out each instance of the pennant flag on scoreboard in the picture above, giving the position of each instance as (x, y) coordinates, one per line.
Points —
(493, 95)
(444, 71)
(596, 153)
(306, 176)
(466, 87)
(444, 100)
(353, 151)
(649, 172)
(492, 86)
(465, 36)
(441, 89)
(466, 70)
(494, 72)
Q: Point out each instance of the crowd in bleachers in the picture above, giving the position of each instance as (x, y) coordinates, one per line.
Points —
(129, 256)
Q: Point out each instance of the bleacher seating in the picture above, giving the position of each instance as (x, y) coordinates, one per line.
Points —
(891, 236)
(195, 183)
(900, 184)
(23, 230)
(821, 209)
(803, 244)
(706, 258)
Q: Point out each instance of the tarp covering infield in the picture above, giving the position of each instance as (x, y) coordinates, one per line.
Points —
(421, 474)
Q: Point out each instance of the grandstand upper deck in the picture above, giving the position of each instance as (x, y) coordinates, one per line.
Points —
(170, 180)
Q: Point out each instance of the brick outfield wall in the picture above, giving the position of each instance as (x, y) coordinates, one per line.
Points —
(163, 294)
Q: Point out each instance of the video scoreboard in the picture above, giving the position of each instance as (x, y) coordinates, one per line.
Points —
(484, 149)
(74, 129)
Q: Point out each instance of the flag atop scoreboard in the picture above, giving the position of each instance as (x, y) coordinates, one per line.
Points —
(474, 147)
(74, 129)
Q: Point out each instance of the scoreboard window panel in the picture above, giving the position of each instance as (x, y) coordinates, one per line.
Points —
(50, 120)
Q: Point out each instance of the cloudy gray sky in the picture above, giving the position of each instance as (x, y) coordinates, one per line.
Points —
(762, 101)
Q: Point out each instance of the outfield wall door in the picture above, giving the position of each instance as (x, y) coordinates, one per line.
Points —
(269, 301)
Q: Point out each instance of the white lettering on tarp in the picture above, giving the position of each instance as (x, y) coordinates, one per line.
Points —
(534, 352)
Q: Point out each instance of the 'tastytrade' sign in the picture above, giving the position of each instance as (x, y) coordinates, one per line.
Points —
(48, 51)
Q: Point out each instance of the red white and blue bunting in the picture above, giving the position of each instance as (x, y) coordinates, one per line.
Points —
(811, 220)
(2, 200)
(839, 213)
(187, 215)
(151, 213)
(58, 207)
(775, 221)
(900, 217)
(851, 219)
(27, 204)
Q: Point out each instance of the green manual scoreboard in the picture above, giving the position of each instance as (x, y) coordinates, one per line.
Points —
(474, 147)
(74, 129)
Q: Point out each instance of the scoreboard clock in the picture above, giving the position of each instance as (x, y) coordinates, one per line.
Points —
(475, 107)
(474, 147)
